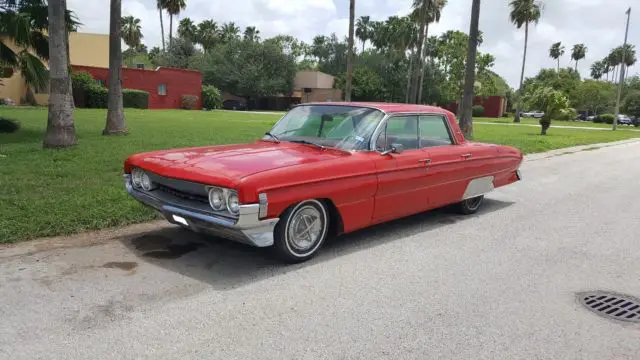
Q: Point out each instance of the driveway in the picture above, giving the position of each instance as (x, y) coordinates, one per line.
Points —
(500, 284)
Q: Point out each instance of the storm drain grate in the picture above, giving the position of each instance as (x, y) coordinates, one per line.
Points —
(611, 305)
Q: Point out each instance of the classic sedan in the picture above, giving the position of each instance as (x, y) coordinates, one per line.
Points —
(324, 169)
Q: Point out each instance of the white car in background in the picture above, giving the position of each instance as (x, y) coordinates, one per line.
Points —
(534, 114)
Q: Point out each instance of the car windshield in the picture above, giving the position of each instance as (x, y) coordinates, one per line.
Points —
(339, 126)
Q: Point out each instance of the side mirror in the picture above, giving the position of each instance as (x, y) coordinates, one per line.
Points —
(395, 149)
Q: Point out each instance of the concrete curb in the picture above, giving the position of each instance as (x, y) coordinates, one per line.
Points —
(576, 149)
(554, 126)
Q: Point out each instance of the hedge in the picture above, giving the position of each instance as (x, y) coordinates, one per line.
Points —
(98, 98)
(188, 102)
(135, 99)
(608, 118)
(477, 111)
(211, 98)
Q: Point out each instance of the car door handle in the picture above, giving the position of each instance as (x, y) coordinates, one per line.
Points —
(466, 156)
(425, 161)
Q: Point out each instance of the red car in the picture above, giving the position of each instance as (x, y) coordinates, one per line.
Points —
(324, 169)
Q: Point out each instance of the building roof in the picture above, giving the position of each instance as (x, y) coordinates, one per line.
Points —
(388, 107)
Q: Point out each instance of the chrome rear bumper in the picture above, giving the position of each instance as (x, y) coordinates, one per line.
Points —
(246, 228)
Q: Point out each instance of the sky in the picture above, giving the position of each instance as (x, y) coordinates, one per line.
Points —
(599, 24)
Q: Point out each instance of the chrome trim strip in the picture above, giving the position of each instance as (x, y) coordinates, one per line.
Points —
(263, 205)
(247, 228)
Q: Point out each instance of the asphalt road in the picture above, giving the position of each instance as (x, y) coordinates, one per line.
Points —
(501, 284)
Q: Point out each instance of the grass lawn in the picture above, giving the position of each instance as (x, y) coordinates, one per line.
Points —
(54, 192)
(532, 121)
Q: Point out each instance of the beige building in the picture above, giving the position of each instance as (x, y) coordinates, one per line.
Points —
(315, 86)
(84, 49)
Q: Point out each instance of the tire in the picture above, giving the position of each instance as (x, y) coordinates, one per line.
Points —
(470, 206)
(301, 220)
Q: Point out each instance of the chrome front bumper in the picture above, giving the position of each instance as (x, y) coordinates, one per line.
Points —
(247, 228)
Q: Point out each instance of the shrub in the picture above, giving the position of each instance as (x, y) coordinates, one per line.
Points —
(135, 99)
(97, 97)
(188, 102)
(598, 119)
(82, 80)
(211, 97)
(477, 111)
(8, 125)
(507, 114)
(631, 104)
(566, 114)
(607, 118)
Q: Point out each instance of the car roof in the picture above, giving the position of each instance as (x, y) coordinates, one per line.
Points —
(386, 107)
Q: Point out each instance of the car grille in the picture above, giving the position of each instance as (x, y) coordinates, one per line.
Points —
(182, 194)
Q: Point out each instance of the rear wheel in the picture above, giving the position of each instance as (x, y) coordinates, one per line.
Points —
(470, 206)
(301, 231)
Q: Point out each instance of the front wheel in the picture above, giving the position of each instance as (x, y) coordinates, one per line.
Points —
(470, 206)
(301, 231)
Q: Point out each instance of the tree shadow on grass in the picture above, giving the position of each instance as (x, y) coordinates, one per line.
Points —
(26, 136)
(227, 265)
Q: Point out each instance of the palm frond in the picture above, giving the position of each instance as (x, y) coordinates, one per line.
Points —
(33, 70)
(7, 56)
(40, 44)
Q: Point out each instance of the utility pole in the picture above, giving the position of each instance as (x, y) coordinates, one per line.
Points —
(622, 68)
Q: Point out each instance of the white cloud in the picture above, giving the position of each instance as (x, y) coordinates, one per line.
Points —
(599, 24)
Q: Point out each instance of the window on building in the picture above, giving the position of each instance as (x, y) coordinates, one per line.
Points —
(101, 82)
(139, 66)
(162, 89)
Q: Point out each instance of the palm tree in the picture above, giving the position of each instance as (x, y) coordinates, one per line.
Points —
(61, 131)
(229, 31)
(352, 13)
(555, 52)
(207, 34)
(466, 122)
(251, 33)
(597, 70)
(115, 113)
(23, 26)
(161, 4)
(522, 13)
(578, 52)
(173, 7)
(434, 11)
(187, 29)
(364, 30)
(131, 31)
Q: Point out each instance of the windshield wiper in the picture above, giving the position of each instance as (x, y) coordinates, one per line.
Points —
(268, 133)
(307, 143)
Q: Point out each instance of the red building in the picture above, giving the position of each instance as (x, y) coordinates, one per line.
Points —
(494, 106)
(165, 85)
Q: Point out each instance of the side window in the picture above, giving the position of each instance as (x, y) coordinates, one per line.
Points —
(399, 130)
(434, 131)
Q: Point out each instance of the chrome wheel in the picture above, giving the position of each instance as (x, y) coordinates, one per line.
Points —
(474, 203)
(305, 228)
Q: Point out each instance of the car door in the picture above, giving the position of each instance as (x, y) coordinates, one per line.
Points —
(448, 170)
(402, 183)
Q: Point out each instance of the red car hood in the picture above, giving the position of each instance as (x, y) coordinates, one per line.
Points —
(227, 164)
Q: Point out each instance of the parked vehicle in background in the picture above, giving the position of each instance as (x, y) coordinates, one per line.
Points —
(324, 169)
(624, 120)
(534, 114)
(234, 104)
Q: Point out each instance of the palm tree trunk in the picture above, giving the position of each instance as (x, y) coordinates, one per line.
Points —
(466, 122)
(61, 131)
(162, 29)
(364, 42)
(115, 113)
(423, 63)
(413, 98)
(352, 12)
(170, 29)
(524, 60)
(409, 76)
(576, 68)
(558, 71)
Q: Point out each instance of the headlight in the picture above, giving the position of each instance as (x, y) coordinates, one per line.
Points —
(216, 199)
(146, 182)
(233, 204)
(136, 177)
